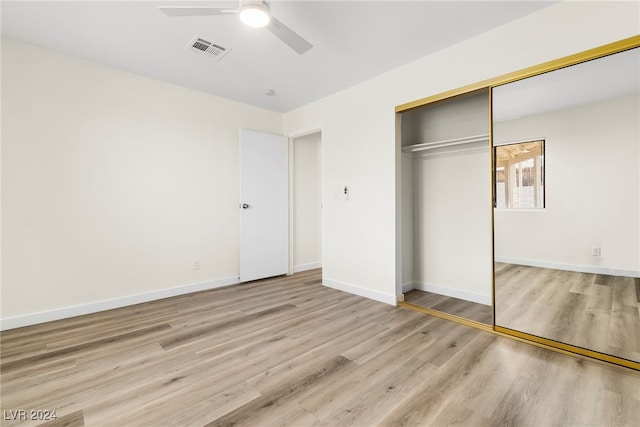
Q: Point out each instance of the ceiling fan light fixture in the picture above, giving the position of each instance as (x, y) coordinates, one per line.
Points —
(256, 15)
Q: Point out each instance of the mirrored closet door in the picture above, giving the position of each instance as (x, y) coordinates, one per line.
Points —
(566, 150)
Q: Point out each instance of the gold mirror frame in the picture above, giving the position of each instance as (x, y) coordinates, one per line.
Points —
(588, 55)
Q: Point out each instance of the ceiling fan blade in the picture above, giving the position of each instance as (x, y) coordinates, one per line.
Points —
(195, 10)
(288, 36)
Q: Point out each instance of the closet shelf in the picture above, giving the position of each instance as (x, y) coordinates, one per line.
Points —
(445, 143)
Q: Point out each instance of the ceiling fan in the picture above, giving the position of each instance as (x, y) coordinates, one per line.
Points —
(254, 13)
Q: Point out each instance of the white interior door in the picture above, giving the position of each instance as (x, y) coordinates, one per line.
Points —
(264, 205)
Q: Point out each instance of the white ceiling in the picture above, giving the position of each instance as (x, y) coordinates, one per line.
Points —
(353, 41)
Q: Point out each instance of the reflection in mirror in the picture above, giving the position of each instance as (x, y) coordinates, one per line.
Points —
(519, 176)
(569, 271)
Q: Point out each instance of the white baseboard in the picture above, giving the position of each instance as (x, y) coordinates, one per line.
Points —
(406, 287)
(569, 267)
(305, 267)
(453, 292)
(363, 292)
(79, 310)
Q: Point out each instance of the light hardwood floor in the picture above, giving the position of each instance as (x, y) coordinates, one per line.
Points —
(459, 307)
(593, 311)
(288, 351)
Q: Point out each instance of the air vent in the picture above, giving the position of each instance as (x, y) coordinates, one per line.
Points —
(206, 48)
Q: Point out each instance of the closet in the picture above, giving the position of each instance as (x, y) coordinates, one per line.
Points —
(446, 206)
(549, 283)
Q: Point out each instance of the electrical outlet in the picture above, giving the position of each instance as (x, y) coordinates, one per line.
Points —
(196, 264)
(595, 251)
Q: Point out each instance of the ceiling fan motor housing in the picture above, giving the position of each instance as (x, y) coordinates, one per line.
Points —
(253, 2)
(254, 13)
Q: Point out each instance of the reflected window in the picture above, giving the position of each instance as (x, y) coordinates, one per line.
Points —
(519, 179)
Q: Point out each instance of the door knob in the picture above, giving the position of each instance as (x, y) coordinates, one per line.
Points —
(244, 206)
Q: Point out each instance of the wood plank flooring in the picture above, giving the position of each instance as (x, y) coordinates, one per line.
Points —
(593, 311)
(288, 351)
(459, 307)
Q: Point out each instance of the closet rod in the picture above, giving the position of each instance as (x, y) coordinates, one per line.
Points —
(419, 154)
(445, 143)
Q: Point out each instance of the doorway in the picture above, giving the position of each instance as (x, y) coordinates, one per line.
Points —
(306, 206)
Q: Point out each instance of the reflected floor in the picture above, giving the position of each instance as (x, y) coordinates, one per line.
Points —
(467, 309)
(592, 311)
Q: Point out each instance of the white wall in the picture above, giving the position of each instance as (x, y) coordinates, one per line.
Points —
(113, 184)
(592, 194)
(452, 225)
(359, 130)
(307, 202)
